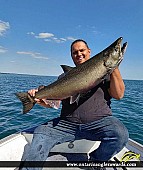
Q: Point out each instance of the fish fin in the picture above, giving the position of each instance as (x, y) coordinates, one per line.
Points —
(27, 101)
(66, 68)
(74, 98)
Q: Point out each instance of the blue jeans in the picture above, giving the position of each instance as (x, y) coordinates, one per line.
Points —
(109, 130)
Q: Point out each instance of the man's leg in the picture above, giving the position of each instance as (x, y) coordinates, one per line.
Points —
(112, 134)
(47, 136)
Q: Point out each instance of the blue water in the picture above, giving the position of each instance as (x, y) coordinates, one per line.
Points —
(129, 110)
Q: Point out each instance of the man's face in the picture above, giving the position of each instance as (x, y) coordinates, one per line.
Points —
(80, 52)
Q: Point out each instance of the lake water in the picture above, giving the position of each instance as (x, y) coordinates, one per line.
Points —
(129, 109)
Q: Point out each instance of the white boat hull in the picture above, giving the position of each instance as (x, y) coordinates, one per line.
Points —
(12, 148)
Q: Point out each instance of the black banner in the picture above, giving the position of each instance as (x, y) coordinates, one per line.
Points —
(70, 164)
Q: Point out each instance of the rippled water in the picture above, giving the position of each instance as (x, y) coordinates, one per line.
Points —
(129, 110)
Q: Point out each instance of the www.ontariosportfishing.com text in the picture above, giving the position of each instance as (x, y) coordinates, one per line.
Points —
(101, 164)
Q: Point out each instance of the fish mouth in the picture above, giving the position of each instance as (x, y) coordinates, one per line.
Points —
(116, 52)
(118, 45)
(122, 49)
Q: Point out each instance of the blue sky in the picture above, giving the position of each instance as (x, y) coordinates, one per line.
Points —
(35, 35)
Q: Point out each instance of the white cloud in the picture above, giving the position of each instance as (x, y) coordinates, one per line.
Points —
(2, 50)
(31, 33)
(32, 54)
(58, 40)
(50, 37)
(47, 40)
(44, 35)
(4, 26)
(61, 40)
(71, 38)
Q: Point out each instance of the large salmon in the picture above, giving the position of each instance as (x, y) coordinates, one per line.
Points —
(80, 78)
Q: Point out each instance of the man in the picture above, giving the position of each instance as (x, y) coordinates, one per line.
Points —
(89, 118)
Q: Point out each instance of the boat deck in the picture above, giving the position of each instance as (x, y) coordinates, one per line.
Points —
(13, 146)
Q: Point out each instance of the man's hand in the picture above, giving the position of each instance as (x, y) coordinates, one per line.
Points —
(32, 93)
(43, 102)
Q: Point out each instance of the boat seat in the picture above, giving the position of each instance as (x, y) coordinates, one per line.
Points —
(78, 146)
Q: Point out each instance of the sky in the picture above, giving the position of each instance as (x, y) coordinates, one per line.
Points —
(35, 35)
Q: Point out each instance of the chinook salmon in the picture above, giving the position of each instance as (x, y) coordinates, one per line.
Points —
(80, 78)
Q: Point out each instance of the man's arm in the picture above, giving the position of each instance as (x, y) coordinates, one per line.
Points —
(117, 86)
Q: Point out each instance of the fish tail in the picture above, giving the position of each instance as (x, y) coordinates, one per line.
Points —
(27, 101)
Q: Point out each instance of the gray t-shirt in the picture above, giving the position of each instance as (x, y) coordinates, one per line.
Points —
(92, 106)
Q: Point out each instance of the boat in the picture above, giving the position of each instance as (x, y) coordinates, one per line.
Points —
(12, 149)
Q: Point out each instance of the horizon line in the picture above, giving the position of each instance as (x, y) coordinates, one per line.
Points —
(52, 75)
